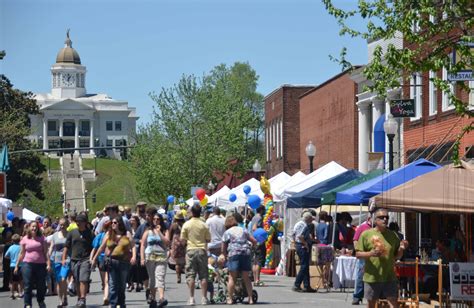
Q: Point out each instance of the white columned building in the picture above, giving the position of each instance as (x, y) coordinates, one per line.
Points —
(72, 118)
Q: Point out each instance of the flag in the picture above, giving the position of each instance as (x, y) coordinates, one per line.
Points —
(4, 164)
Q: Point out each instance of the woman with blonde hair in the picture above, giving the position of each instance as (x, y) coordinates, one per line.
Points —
(61, 272)
(33, 254)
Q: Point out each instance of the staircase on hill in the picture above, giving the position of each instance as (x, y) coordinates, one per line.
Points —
(73, 183)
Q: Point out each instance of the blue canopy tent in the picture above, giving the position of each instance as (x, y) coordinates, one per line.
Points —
(361, 193)
(311, 197)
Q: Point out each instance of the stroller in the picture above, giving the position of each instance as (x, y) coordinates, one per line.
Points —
(240, 291)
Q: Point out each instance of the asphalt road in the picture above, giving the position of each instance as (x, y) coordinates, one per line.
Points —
(276, 293)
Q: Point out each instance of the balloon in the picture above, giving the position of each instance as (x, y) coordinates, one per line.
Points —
(170, 199)
(232, 197)
(247, 189)
(254, 201)
(260, 235)
(204, 201)
(10, 215)
(200, 193)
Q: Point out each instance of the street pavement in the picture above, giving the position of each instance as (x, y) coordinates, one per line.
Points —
(276, 293)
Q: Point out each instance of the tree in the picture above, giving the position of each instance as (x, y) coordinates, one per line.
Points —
(431, 30)
(201, 129)
(25, 168)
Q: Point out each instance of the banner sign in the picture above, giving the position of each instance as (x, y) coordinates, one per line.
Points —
(461, 276)
(402, 108)
(3, 184)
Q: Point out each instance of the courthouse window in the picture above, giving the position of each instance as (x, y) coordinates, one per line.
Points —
(118, 125)
(108, 125)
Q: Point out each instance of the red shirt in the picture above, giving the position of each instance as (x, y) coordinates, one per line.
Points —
(363, 227)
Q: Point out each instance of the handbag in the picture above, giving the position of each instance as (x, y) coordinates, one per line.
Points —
(108, 257)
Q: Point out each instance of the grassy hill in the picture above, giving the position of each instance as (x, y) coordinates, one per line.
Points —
(115, 183)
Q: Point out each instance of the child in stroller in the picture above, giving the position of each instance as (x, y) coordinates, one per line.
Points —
(222, 279)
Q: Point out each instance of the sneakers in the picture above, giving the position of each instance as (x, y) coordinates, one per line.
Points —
(81, 303)
(162, 303)
(191, 302)
(204, 301)
(296, 289)
(356, 301)
(309, 290)
(41, 305)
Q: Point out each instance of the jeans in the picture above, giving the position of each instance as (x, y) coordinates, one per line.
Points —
(117, 282)
(34, 273)
(303, 274)
(359, 284)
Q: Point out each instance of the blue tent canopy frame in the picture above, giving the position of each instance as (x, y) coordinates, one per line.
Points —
(361, 193)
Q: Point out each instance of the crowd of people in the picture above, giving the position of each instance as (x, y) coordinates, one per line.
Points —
(131, 251)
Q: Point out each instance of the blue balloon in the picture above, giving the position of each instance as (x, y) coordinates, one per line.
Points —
(260, 235)
(10, 215)
(232, 197)
(254, 201)
(170, 199)
(247, 189)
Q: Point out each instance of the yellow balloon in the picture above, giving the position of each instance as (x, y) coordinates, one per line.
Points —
(204, 201)
(265, 185)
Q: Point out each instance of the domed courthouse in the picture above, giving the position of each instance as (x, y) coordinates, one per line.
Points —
(71, 118)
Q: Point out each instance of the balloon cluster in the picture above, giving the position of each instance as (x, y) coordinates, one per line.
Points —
(268, 221)
(201, 195)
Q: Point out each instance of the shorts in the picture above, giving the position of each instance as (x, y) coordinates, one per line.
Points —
(377, 290)
(210, 286)
(17, 277)
(196, 263)
(240, 263)
(81, 270)
(259, 255)
(61, 272)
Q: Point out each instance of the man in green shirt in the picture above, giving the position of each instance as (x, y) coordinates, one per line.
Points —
(380, 247)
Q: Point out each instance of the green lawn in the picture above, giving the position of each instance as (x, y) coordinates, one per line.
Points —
(53, 163)
(115, 183)
(87, 164)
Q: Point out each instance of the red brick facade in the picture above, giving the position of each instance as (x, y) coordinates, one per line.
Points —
(282, 129)
(328, 117)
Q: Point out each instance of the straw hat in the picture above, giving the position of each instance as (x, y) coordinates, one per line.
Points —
(179, 216)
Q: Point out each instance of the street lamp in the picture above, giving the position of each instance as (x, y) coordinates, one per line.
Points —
(390, 126)
(310, 152)
(256, 168)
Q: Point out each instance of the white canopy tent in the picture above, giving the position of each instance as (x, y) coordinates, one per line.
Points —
(293, 215)
(279, 191)
(29, 215)
(223, 201)
(212, 199)
(5, 204)
(279, 181)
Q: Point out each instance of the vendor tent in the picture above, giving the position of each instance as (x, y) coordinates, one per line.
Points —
(279, 180)
(213, 198)
(327, 171)
(448, 190)
(363, 192)
(29, 215)
(223, 200)
(329, 197)
(279, 191)
(311, 197)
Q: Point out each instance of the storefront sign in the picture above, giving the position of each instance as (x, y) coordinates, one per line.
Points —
(466, 73)
(402, 108)
(462, 281)
(3, 184)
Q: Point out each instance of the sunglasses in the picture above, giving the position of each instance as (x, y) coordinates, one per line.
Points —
(156, 218)
(114, 222)
(383, 217)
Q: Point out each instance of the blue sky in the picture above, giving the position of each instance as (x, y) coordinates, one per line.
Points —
(133, 47)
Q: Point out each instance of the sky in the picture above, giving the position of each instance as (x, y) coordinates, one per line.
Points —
(133, 47)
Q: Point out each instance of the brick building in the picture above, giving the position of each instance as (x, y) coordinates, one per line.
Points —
(328, 117)
(282, 129)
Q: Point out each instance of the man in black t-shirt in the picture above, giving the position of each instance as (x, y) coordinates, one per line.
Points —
(79, 247)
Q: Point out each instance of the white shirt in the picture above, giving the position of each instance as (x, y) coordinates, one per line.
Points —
(216, 225)
(298, 230)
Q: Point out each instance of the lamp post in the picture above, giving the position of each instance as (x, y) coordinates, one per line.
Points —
(256, 168)
(390, 126)
(310, 152)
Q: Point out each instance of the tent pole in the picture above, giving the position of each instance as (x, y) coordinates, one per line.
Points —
(360, 214)
(334, 226)
(418, 216)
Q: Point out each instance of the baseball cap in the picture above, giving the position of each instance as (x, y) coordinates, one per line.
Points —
(307, 215)
(81, 218)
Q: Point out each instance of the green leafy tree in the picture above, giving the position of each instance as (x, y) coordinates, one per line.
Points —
(201, 129)
(431, 30)
(24, 176)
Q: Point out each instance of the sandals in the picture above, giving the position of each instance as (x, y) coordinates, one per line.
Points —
(259, 284)
(229, 301)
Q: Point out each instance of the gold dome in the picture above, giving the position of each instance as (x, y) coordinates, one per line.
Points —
(68, 54)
